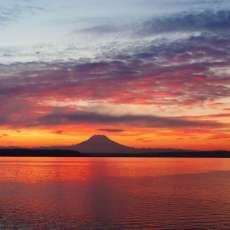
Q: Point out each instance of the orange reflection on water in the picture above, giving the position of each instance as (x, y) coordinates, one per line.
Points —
(36, 170)
(78, 193)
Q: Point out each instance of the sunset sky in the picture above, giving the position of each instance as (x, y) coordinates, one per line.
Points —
(147, 73)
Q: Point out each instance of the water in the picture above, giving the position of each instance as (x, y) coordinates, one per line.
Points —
(109, 193)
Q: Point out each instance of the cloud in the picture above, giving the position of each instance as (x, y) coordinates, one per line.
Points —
(207, 20)
(101, 29)
(57, 118)
(179, 81)
(20, 114)
(111, 130)
(13, 10)
(220, 136)
(59, 132)
(182, 73)
(3, 135)
(9, 14)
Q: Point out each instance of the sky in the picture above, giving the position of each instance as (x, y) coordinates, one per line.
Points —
(147, 73)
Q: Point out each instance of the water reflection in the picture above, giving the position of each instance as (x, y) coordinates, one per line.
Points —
(109, 193)
(38, 170)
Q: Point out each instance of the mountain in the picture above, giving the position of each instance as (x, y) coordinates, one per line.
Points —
(102, 144)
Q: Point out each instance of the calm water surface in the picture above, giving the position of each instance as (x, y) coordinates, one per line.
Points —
(109, 193)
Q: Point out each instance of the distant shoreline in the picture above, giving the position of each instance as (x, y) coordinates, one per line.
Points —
(72, 153)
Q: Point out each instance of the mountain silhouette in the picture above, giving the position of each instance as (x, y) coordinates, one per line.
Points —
(102, 144)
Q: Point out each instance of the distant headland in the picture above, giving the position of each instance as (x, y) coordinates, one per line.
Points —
(102, 146)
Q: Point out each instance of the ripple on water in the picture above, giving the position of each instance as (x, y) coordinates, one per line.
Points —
(106, 194)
